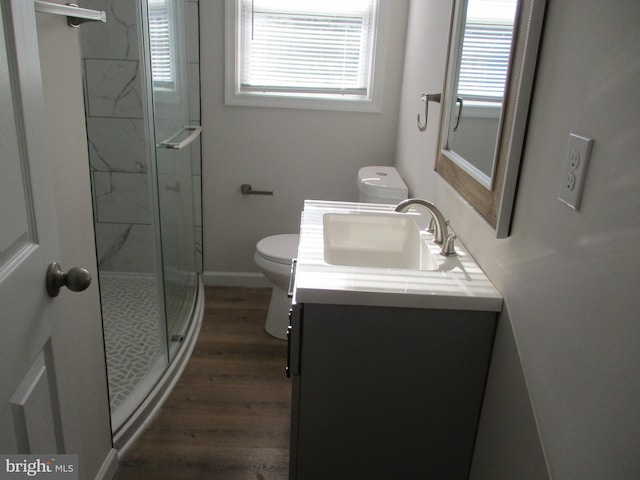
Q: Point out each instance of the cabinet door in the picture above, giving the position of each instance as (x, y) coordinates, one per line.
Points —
(293, 371)
(390, 392)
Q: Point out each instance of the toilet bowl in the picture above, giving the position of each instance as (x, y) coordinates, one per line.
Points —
(274, 254)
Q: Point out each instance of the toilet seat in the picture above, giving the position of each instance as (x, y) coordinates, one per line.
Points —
(279, 248)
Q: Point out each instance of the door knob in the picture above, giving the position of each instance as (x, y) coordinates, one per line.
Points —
(76, 279)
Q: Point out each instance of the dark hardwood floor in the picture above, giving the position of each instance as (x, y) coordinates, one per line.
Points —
(228, 416)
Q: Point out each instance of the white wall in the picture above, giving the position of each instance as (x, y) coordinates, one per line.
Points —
(567, 351)
(298, 154)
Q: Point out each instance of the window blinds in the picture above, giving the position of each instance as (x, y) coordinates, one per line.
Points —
(162, 55)
(321, 47)
(486, 49)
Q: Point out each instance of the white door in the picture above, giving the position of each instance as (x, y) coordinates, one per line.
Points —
(29, 420)
(41, 410)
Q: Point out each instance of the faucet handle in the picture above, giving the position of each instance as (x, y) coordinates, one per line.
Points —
(448, 247)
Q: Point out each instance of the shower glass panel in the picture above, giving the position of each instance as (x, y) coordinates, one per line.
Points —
(146, 218)
(174, 142)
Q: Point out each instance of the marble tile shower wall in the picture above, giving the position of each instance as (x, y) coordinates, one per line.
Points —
(117, 137)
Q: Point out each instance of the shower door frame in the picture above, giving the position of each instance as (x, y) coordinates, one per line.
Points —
(150, 107)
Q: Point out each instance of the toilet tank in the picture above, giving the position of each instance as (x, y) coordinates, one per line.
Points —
(381, 185)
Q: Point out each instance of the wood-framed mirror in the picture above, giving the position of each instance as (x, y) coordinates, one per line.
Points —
(485, 102)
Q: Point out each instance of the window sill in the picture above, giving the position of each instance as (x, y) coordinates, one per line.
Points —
(481, 110)
(301, 102)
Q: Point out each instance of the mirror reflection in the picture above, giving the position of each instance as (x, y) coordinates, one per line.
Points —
(483, 53)
(487, 96)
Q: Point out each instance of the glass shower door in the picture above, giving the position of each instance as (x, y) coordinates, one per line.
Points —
(175, 140)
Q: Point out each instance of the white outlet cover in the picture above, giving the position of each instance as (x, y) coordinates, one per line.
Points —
(573, 176)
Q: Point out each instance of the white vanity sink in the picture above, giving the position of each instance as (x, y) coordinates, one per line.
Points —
(368, 254)
(390, 240)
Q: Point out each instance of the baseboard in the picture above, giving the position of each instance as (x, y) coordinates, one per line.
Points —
(234, 279)
(109, 466)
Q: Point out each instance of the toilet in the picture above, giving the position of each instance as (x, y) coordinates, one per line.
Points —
(275, 253)
(273, 256)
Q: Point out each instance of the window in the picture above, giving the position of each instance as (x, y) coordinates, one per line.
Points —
(163, 61)
(304, 53)
(486, 51)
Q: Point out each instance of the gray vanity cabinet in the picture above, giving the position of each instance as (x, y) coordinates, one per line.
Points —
(385, 392)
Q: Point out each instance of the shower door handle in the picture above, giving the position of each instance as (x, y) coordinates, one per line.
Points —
(195, 133)
(76, 279)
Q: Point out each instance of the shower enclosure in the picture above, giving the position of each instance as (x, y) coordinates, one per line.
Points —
(141, 74)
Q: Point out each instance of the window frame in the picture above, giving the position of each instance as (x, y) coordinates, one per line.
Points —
(233, 97)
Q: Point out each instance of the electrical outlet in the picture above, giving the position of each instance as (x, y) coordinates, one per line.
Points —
(577, 160)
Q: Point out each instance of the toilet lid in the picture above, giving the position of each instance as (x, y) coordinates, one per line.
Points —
(279, 248)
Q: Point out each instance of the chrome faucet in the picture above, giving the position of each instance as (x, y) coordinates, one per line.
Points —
(441, 233)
